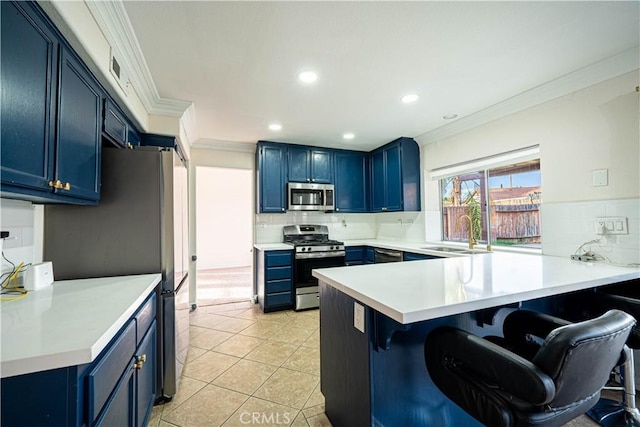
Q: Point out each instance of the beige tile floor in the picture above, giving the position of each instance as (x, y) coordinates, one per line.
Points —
(245, 367)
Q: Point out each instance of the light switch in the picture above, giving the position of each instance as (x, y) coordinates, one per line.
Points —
(619, 226)
(600, 177)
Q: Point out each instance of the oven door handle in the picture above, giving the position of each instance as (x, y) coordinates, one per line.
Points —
(310, 255)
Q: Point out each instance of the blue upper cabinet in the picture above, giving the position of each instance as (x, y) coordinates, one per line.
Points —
(29, 60)
(310, 164)
(51, 113)
(79, 130)
(395, 177)
(115, 125)
(351, 181)
(271, 162)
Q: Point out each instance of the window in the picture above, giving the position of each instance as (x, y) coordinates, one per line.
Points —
(500, 205)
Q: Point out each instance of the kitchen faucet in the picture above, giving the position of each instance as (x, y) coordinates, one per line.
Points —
(472, 240)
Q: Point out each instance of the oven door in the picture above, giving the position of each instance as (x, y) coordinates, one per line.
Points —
(304, 282)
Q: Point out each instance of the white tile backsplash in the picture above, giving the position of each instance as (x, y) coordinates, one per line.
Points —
(565, 226)
(24, 244)
(403, 226)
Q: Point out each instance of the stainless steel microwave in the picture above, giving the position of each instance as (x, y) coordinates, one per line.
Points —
(310, 197)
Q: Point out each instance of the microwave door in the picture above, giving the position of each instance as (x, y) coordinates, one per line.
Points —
(303, 199)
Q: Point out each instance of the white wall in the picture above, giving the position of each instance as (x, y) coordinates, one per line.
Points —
(594, 128)
(224, 217)
(24, 223)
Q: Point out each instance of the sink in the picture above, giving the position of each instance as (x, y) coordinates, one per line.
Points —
(461, 251)
(444, 249)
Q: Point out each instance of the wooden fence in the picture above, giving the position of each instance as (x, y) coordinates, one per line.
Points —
(508, 222)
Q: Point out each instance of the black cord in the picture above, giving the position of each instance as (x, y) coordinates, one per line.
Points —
(3, 285)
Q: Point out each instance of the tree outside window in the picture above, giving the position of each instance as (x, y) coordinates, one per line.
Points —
(503, 204)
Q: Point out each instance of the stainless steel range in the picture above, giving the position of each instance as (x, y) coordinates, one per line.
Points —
(313, 249)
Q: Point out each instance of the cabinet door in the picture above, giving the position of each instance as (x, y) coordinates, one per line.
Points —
(354, 255)
(298, 160)
(115, 125)
(28, 73)
(146, 376)
(393, 176)
(79, 130)
(133, 137)
(120, 410)
(272, 178)
(350, 181)
(378, 184)
(321, 166)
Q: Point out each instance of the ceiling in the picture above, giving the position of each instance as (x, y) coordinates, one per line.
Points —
(238, 61)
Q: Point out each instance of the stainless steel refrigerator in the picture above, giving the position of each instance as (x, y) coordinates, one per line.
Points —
(138, 227)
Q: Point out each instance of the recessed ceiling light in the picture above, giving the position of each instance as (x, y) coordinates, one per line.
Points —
(407, 99)
(308, 77)
(275, 126)
(348, 135)
(450, 116)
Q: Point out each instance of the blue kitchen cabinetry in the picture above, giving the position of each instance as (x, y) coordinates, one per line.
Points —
(27, 116)
(163, 141)
(385, 180)
(275, 280)
(51, 113)
(351, 168)
(310, 164)
(354, 255)
(115, 127)
(411, 256)
(271, 163)
(79, 130)
(358, 255)
(395, 177)
(133, 138)
(370, 255)
(118, 388)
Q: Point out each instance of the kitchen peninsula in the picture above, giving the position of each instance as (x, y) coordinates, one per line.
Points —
(375, 318)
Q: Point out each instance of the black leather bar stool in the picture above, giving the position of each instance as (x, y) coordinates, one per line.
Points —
(544, 372)
(625, 297)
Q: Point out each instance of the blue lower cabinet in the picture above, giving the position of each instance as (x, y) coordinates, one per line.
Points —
(411, 256)
(355, 255)
(120, 410)
(117, 389)
(146, 368)
(275, 280)
(104, 377)
(370, 255)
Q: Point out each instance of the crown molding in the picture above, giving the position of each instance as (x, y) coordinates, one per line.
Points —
(599, 72)
(212, 144)
(112, 18)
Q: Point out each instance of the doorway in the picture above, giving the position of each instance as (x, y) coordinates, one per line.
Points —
(224, 241)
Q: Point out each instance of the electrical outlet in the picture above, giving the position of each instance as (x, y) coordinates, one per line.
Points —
(611, 225)
(358, 316)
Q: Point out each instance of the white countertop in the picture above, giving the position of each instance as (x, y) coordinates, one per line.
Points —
(272, 246)
(68, 323)
(420, 290)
